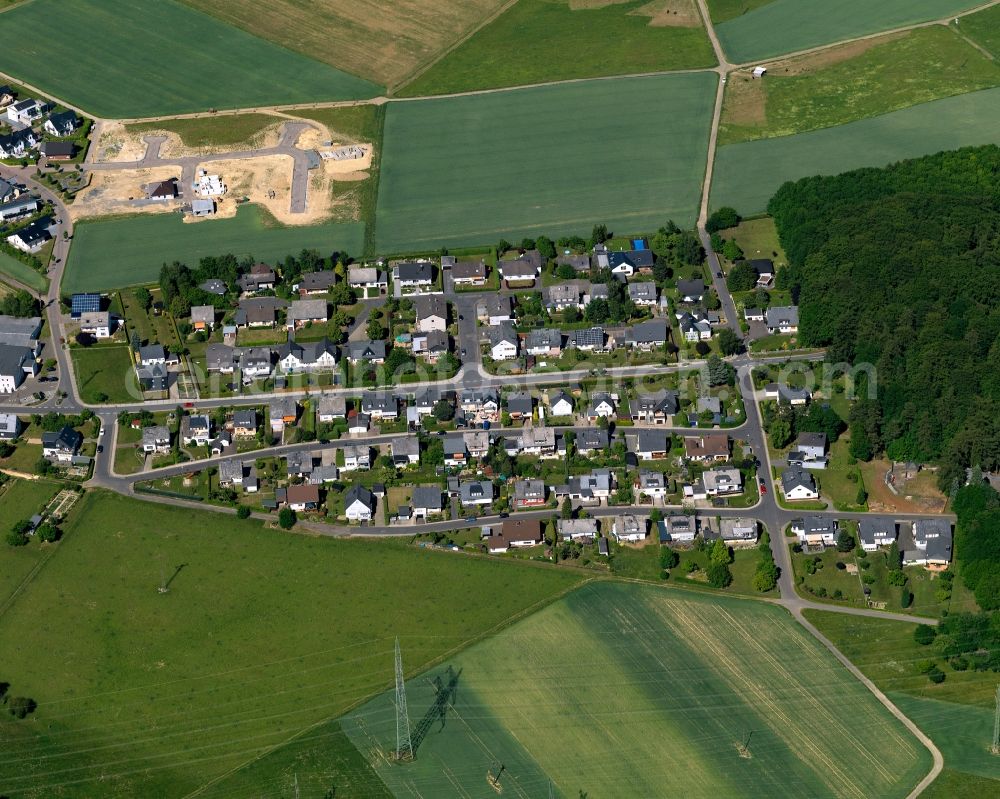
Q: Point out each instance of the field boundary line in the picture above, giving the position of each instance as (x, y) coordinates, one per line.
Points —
(509, 621)
(938, 759)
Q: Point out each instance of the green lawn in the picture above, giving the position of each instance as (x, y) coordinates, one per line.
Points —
(24, 458)
(21, 272)
(811, 92)
(221, 131)
(147, 59)
(952, 784)
(651, 690)
(127, 251)
(468, 170)
(786, 26)
(20, 499)
(553, 41)
(748, 173)
(262, 635)
(758, 238)
(983, 28)
(105, 370)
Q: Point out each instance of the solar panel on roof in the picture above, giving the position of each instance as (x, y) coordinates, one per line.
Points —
(85, 303)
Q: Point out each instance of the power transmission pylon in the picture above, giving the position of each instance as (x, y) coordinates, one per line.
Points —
(995, 748)
(404, 746)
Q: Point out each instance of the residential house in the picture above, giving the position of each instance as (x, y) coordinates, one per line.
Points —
(647, 336)
(282, 411)
(601, 406)
(245, 423)
(516, 533)
(782, 319)
(529, 493)
(10, 426)
(326, 471)
(628, 262)
(405, 451)
(331, 407)
(367, 278)
(232, 472)
(25, 205)
(32, 237)
(18, 143)
(590, 339)
(255, 363)
(359, 504)
(26, 111)
(61, 446)
(19, 331)
(540, 441)
(316, 282)
(654, 408)
(222, 441)
(98, 324)
(220, 358)
(152, 354)
(84, 303)
(259, 311)
(816, 530)
(427, 501)
(797, 483)
(475, 493)
(503, 341)
(469, 273)
(310, 356)
(577, 529)
(738, 532)
(694, 326)
(629, 528)
(357, 457)
(560, 404)
(495, 309)
(9, 190)
(580, 263)
(876, 531)
(57, 150)
(753, 314)
(722, 482)
(366, 351)
(62, 123)
(304, 312)
(480, 401)
(477, 443)
(591, 440)
(413, 275)
(455, 453)
(809, 451)
(707, 447)
(520, 404)
(261, 277)
(380, 405)
(932, 543)
(203, 317)
(303, 497)
(651, 484)
(691, 290)
(565, 295)
(544, 342)
(588, 489)
(786, 395)
(652, 444)
(642, 294)
(431, 346)
(523, 270)
(196, 430)
(358, 423)
(764, 269)
(164, 190)
(678, 529)
(154, 378)
(431, 313)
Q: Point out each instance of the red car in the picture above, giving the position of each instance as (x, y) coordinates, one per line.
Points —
(763, 489)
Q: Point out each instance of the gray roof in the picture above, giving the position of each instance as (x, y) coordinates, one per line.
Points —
(430, 305)
(427, 497)
(413, 271)
(473, 490)
(366, 350)
(19, 331)
(793, 477)
(691, 288)
(520, 402)
(642, 291)
(219, 356)
(587, 337)
(317, 281)
(152, 352)
(651, 441)
(595, 438)
(782, 316)
(544, 337)
(306, 310)
(871, 527)
(357, 493)
(652, 332)
(245, 418)
(812, 440)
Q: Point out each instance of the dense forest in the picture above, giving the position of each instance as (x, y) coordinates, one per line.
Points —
(977, 542)
(900, 268)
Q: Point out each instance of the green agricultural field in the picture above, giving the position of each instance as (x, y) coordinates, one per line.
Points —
(721, 10)
(22, 273)
(20, 499)
(129, 58)
(983, 28)
(787, 26)
(105, 374)
(554, 40)
(469, 170)
(953, 784)
(127, 251)
(262, 635)
(747, 174)
(652, 691)
(230, 130)
(853, 82)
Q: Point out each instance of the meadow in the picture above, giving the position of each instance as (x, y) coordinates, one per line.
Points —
(551, 36)
(853, 82)
(384, 43)
(228, 130)
(628, 690)
(261, 636)
(20, 499)
(129, 58)
(105, 374)
(787, 26)
(748, 173)
(22, 273)
(468, 170)
(130, 250)
(983, 27)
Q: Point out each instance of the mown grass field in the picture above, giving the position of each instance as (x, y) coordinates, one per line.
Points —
(853, 82)
(747, 174)
(383, 42)
(20, 499)
(787, 26)
(262, 635)
(127, 251)
(129, 58)
(555, 41)
(105, 374)
(628, 690)
(983, 28)
(21, 272)
(468, 170)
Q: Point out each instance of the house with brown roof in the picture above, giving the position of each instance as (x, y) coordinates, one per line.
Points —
(516, 533)
(302, 497)
(707, 447)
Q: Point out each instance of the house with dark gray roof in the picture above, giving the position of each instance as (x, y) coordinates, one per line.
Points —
(371, 351)
(647, 335)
